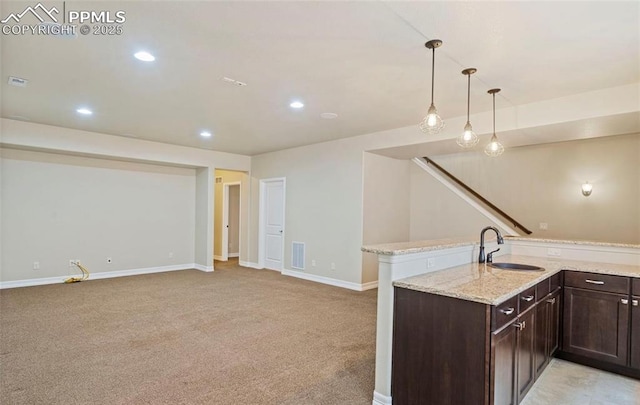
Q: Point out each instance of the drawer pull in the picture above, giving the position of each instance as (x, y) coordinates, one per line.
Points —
(624, 301)
(598, 282)
(635, 303)
(527, 298)
(508, 311)
(551, 301)
(520, 325)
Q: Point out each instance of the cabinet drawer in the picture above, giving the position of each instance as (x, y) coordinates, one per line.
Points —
(526, 299)
(504, 313)
(597, 282)
(635, 286)
(542, 289)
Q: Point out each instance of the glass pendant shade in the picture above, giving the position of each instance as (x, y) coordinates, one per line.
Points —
(432, 123)
(468, 139)
(494, 148)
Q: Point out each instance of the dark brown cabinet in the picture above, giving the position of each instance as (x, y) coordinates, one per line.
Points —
(596, 317)
(526, 371)
(635, 325)
(504, 349)
(547, 339)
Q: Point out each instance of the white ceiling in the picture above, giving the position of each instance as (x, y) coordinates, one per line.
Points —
(365, 61)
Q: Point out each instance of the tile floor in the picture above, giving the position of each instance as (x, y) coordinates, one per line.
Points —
(565, 383)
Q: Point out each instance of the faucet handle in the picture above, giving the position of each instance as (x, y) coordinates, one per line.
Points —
(490, 256)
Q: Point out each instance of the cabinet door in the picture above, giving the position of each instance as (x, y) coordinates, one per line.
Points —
(526, 373)
(542, 342)
(503, 359)
(596, 325)
(635, 332)
(553, 303)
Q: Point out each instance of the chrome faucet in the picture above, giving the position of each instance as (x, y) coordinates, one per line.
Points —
(489, 259)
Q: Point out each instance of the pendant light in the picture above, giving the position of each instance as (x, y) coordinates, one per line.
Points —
(432, 123)
(468, 139)
(494, 148)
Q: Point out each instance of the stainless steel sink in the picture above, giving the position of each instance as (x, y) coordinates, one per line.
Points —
(515, 266)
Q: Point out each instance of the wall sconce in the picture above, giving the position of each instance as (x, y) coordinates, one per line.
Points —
(586, 189)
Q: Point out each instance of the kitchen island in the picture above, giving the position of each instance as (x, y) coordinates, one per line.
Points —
(446, 268)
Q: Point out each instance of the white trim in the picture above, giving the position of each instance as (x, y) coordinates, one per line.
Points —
(327, 280)
(250, 265)
(225, 218)
(103, 275)
(233, 255)
(261, 217)
(207, 269)
(379, 399)
(219, 258)
(465, 197)
(369, 286)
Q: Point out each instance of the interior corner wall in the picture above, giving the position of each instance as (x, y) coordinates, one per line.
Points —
(204, 209)
(60, 207)
(437, 212)
(542, 184)
(323, 205)
(386, 206)
(231, 176)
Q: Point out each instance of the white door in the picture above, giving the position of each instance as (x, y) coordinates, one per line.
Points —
(272, 196)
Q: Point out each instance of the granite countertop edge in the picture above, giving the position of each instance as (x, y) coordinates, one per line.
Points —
(432, 282)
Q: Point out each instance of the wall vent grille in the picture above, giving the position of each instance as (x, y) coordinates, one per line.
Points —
(297, 255)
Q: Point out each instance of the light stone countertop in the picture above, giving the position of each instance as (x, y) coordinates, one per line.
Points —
(488, 285)
(572, 242)
(403, 248)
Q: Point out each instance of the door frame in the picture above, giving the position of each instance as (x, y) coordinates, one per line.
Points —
(262, 229)
(224, 253)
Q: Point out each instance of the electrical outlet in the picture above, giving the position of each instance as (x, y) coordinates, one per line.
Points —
(109, 260)
(431, 262)
(74, 262)
(313, 262)
(544, 226)
(333, 266)
(554, 252)
(36, 265)
(170, 255)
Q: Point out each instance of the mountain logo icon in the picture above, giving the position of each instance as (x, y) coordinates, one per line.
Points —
(36, 11)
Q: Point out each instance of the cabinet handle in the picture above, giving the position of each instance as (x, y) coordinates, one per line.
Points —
(598, 282)
(634, 302)
(520, 325)
(624, 301)
(528, 298)
(508, 311)
(551, 301)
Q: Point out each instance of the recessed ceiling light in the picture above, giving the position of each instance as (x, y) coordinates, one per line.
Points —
(205, 134)
(296, 104)
(328, 116)
(84, 111)
(144, 56)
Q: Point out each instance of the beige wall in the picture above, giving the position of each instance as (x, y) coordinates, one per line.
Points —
(230, 176)
(542, 183)
(437, 212)
(385, 207)
(56, 208)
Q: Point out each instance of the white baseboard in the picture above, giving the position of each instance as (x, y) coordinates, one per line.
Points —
(330, 281)
(202, 267)
(220, 258)
(379, 399)
(234, 254)
(102, 275)
(369, 286)
(250, 265)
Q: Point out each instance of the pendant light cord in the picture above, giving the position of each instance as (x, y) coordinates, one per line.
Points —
(433, 71)
(494, 114)
(468, 95)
